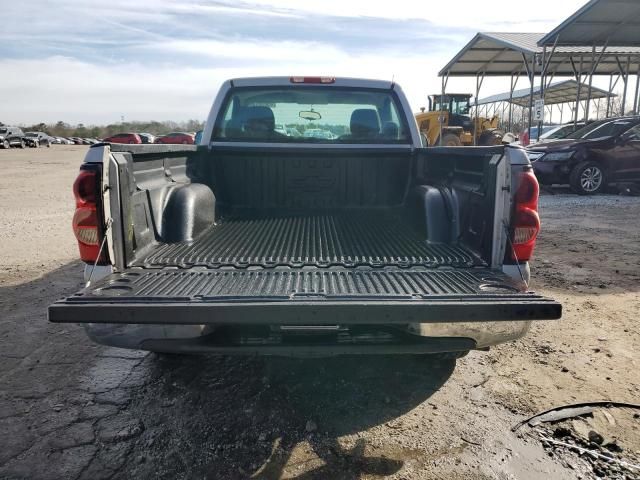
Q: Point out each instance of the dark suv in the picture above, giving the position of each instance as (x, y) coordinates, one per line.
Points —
(606, 152)
(37, 139)
(11, 137)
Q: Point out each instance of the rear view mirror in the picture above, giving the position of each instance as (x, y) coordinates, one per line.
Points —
(309, 115)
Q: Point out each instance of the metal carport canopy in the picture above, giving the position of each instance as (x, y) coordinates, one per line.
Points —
(506, 54)
(599, 23)
(561, 92)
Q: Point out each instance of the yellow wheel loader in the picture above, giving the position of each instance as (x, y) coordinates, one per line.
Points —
(458, 128)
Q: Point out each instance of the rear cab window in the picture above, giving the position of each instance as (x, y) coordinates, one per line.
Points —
(303, 114)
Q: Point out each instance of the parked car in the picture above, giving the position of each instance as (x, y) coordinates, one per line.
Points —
(526, 140)
(31, 141)
(147, 137)
(132, 138)
(12, 137)
(560, 131)
(282, 129)
(293, 132)
(602, 153)
(37, 139)
(319, 133)
(177, 137)
(356, 244)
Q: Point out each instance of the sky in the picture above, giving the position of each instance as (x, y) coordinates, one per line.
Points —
(95, 62)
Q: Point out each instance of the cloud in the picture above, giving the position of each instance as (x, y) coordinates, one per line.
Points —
(92, 62)
(242, 53)
(62, 88)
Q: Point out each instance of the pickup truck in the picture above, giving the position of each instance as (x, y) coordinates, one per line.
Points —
(259, 241)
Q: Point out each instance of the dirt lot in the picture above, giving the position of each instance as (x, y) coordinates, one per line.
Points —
(69, 409)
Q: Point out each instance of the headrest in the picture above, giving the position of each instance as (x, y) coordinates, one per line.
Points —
(390, 130)
(259, 119)
(365, 122)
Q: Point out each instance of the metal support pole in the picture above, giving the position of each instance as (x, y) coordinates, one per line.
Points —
(578, 93)
(606, 115)
(502, 115)
(542, 72)
(635, 97)
(611, 95)
(531, 71)
(445, 80)
(442, 89)
(638, 88)
(626, 84)
(479, 80)
(513, 83)
(593, 67)
(561, 112)
(475, 118)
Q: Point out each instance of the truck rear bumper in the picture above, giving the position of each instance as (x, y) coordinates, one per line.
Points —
(419, 338)
(306, 311)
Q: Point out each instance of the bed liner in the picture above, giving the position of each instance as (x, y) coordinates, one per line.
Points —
(349, 238)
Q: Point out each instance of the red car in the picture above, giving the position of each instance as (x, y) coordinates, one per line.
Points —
(124, 138)
(177, 137)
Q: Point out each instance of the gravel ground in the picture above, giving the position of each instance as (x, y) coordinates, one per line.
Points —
(70, 409)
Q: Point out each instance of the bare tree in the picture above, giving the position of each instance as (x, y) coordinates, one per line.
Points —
(615, 106)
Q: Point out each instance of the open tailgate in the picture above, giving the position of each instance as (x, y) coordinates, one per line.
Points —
(314, 296)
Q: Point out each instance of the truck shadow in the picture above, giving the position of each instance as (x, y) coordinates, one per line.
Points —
(203, 416)
(276, 417)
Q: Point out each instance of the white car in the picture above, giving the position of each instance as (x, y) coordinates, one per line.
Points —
(319, 133)
(280, 128)
(560, 131)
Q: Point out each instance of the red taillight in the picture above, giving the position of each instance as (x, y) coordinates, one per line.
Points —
(85, 188)
(528, 191)
(87, 224)
(526, 222)
(312, 79)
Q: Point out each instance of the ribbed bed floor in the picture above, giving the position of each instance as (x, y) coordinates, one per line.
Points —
(347, 238)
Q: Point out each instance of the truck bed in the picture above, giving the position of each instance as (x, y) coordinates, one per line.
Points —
(305, 237)
(371, 238)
